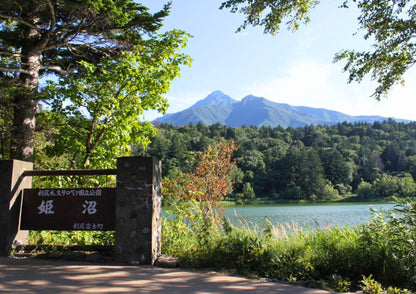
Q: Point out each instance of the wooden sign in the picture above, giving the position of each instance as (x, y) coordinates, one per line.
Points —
(69, 209)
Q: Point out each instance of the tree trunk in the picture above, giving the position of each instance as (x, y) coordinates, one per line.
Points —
(23, 130)
(24, 107)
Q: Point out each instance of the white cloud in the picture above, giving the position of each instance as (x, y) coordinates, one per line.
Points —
(303, 83)
(311, 83)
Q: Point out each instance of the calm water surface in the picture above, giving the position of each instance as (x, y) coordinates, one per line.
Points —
(310, 216)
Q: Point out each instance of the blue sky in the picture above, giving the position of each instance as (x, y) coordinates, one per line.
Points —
(294, 68)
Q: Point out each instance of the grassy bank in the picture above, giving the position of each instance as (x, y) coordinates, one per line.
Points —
(338, 257)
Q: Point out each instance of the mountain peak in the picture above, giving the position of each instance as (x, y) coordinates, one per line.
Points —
(218, 107)
(215, 98)
(252, 98)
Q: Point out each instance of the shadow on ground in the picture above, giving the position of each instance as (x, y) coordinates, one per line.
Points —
(51, 276)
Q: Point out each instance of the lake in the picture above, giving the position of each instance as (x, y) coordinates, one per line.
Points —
(305, 216)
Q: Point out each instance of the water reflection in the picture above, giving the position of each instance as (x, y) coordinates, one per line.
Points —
(304, 216)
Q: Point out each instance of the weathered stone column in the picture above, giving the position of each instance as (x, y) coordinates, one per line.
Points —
(11, 185)
(138, 210)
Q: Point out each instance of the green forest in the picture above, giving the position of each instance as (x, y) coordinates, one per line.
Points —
(360, 161)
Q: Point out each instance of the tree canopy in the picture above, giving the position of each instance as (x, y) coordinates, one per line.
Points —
(38, 38)
(99, 114)
(389, 25)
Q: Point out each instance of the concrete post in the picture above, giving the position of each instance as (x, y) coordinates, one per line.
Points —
(11, 185)
(138, 210)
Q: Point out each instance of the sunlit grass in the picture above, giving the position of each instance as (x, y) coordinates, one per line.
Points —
(337, 256)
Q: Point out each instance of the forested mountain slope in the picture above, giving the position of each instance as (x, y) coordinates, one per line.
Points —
(313, 162)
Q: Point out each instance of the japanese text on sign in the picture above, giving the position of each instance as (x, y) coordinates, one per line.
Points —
(89, 207)
(64, 209)
(88, 226)
(46, 207)
(69, 192)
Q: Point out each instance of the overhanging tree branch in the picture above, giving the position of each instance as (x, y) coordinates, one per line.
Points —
(390, 24)
(19, 20)
(57, 69)
(4, 53)
(53, 17)
(10, 69)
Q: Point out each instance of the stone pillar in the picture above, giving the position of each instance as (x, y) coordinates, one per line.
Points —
(11, 196)
(138, 210)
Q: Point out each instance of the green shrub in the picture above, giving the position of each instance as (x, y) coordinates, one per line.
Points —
(333, 251)
(71, 237)
(187, 234)
(387, 245)
(339, 284)
(370, 286)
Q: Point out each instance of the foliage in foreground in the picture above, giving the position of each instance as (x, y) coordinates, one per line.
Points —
(370, 286)
(98, 116)
(208, 183)
(382, 250)
(71, 237)
(43, 38)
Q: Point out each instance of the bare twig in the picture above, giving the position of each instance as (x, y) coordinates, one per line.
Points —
(57, 69)
(20, 20)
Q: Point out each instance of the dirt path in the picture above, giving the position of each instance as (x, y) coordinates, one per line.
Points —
(50, 276)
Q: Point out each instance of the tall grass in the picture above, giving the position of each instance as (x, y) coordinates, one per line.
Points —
(285, 252)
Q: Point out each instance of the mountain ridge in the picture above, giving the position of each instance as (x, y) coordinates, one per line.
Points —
(218, 107)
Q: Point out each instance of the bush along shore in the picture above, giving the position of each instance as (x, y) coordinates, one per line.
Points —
(377, 256)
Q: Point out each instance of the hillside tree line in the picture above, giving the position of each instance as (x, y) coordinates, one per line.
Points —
(360, 161)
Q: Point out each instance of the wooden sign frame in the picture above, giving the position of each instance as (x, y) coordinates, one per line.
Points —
(86, 209)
